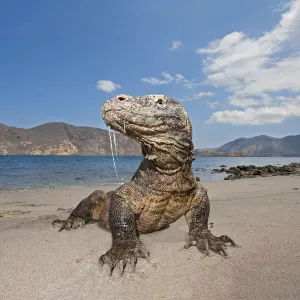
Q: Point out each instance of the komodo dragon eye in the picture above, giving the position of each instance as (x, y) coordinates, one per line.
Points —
(160, 101)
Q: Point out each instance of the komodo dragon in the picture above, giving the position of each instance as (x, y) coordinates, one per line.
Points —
(162, 189)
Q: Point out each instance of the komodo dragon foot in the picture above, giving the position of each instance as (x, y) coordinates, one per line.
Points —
(122, 254)
(203, 239)
(199, 234)
(70, 223)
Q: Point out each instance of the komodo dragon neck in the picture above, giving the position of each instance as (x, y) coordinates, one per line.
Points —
(162, 127)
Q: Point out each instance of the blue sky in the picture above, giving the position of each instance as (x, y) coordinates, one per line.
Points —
(235, 65)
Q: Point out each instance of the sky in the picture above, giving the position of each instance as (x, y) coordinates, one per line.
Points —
(234, 65)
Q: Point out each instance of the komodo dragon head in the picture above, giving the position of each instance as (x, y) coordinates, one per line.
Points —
(160, 124)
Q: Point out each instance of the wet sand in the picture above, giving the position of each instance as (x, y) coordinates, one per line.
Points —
(261, 214)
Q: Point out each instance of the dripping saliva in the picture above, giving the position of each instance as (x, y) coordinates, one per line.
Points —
(112, 152)
(116, 151)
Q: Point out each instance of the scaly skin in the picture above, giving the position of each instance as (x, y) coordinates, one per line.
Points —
(161, 191)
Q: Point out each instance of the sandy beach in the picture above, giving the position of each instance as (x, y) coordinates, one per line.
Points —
(262, 215)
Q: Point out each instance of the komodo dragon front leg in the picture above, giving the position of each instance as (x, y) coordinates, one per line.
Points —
(126, 247)
(94, 207)
(197, 219)
(114, 213)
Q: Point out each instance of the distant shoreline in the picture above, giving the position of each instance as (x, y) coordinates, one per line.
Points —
(135, 155)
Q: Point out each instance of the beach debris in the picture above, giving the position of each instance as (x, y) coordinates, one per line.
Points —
(33, 205)
(14, 212)
(68, 210)
(8, 214)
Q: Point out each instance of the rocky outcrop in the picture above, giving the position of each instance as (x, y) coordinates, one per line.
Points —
(252, 171)
(62, 139)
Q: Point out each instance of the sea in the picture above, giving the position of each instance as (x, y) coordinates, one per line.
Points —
(30, 172)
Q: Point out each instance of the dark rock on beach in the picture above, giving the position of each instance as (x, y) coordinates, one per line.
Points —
(219, 170)
(252, 171)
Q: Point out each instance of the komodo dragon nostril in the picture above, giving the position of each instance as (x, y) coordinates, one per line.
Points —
(122, 97)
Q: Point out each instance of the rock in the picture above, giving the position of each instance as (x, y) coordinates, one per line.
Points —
(294, 165)
(232, 177)
(257, 173)
(242, 167)
(219, 170)
(222, 166)
(264, 171)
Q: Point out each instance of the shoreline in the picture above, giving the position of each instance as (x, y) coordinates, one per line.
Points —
(59, 187)
(115, 185)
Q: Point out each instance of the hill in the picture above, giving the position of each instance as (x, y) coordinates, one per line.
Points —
(62, 139)
(264, 145)
(214, 153)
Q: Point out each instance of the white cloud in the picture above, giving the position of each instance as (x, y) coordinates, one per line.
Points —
(252, 70)
(258, 116)
(175, 45)
(189, 84)
(212, 104)
(243, 102)
(204, 94)
(197, 96)
(167, 79)
(107, 86)
(179, 77)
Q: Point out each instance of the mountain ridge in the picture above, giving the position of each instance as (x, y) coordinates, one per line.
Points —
(60, 138)
(264, 145)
